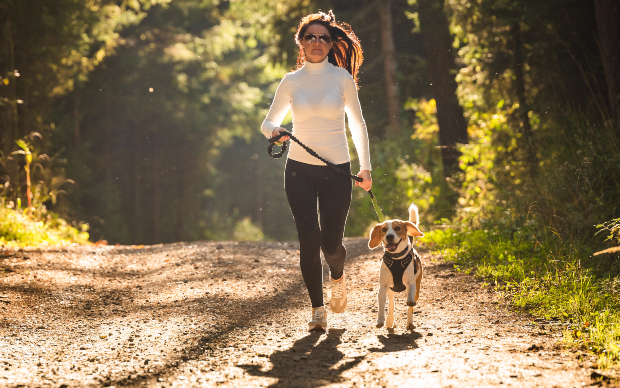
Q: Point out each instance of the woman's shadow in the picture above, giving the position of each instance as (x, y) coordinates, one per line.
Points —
(311, 361)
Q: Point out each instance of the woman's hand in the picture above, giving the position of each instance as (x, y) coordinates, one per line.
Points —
(277, 131)
(366, 184)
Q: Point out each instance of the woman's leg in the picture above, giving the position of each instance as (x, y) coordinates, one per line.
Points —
(301, 193)
(334, 192)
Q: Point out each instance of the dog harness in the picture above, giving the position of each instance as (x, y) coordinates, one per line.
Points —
(397, 268)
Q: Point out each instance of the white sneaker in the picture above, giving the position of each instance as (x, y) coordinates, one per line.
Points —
(338, 301)
(319, 319)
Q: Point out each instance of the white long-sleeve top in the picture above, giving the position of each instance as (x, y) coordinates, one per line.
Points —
(319, 95)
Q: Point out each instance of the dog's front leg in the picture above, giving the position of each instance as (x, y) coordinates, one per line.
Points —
(411, 301)
(411, 294)
(381, 302)
(410, 325)
(390, 317)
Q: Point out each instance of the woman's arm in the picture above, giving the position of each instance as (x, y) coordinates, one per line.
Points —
(278, 110)
(359, 133)
(357, 125)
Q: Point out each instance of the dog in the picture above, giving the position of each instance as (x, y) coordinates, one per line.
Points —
(401, 267)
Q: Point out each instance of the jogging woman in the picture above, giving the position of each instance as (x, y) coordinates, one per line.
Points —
(320, 90)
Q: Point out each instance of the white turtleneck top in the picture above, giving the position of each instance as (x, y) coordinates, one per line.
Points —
(319, 95)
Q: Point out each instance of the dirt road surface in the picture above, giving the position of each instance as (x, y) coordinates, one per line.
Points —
(234, 314)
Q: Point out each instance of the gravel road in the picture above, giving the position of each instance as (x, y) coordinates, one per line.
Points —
(234, 314)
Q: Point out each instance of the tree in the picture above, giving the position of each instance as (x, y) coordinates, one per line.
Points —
(48, 47)
(607, 17)
(389, 64)
(8, 76)
(441, 67)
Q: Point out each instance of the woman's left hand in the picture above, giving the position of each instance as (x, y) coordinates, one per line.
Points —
(366, 184)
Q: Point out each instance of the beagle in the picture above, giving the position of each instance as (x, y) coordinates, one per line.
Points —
(401, 267)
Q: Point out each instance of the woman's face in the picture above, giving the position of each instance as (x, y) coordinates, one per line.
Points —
(316, 51)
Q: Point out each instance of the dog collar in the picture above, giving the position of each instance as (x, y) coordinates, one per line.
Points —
(395, 255)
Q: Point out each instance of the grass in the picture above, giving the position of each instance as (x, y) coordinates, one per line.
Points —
(549, 279)
(19, 229)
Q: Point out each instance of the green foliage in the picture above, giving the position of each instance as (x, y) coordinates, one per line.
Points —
(19, 229)
(565, 172)
(406, 169)
(547, 277)
(245, 230)
(612, 228)
(153, 108)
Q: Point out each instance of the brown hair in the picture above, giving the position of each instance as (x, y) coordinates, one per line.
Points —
(346, 51)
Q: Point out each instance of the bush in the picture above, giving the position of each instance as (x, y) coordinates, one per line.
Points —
(245, 230)
(19, 229)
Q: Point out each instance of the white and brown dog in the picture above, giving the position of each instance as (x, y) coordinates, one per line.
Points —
(401, 267)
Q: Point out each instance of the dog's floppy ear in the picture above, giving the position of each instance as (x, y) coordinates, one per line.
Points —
(375, 236)
(412, 229)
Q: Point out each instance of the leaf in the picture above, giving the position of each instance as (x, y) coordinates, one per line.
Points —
(23, 145)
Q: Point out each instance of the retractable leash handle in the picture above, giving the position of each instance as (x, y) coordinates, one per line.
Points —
(274, 141)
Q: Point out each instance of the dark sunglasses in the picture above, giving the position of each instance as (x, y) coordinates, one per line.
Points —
(311, 38)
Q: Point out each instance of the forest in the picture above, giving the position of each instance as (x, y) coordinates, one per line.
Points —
(141, 117)
(131, 128)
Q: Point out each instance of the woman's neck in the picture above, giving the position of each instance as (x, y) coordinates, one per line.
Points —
(318, 61)
(315, 67)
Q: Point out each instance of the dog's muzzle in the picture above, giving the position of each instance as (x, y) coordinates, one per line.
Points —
(389, 243)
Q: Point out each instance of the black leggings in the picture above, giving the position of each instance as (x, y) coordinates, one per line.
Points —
(304, 184)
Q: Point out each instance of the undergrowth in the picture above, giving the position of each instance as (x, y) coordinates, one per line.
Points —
(549, 279)
(21, 228)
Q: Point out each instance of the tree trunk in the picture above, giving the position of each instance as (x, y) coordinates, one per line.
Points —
(259, 188)
(137, 235)
(608, 20)
(526, 127)
(183, 183)
(8, 110)
(108, 155)
(158, 197)
(389, 65)
(441, 68)
(76, 116)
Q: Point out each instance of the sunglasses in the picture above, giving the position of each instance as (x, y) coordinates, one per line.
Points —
(312, 38)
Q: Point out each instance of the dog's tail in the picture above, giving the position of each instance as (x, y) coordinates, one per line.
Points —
(413, 214)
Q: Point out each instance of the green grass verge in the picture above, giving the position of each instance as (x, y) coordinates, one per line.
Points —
(18, 229)
(549, 280)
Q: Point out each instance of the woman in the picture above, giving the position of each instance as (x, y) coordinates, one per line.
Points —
(321, 89)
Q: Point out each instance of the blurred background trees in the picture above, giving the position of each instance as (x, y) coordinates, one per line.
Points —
(144, 115)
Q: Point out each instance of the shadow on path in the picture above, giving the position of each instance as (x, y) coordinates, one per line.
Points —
(315, 359)
(397, 342)
(312, 361)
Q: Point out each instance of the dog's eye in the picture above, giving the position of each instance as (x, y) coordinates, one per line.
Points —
(397, 228)
(384, 229)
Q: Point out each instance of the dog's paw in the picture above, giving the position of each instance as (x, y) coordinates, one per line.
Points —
(411, 303)
(379, 324)
(410, 326)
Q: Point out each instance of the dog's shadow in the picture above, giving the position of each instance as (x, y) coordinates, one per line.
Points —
(393, 342)
(310, 362)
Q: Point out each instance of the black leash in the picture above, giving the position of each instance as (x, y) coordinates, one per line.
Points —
(274, 141)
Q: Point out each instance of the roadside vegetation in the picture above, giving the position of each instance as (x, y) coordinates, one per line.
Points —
(545, 276)
(24, 228)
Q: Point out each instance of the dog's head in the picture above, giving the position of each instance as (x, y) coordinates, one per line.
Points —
(393, 234)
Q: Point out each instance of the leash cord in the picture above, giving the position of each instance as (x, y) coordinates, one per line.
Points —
(274, 141)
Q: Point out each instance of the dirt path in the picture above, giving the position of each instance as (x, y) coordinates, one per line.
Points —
(234, 314)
